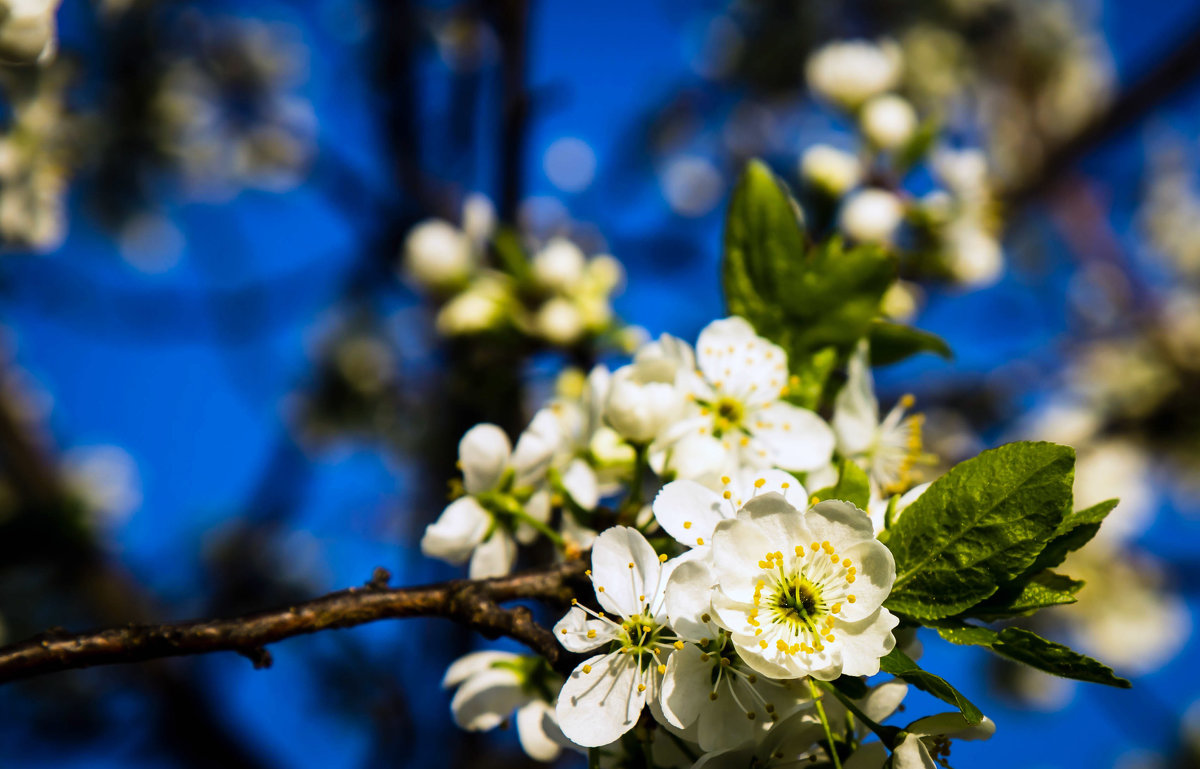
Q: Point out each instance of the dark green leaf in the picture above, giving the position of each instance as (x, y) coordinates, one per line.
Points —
(892, 342)
(901, 665)
(1075, 531)
(851, 686)
(811, 371)
(852, 486)
(1044, 589)
(1024, 646)
(978, 527)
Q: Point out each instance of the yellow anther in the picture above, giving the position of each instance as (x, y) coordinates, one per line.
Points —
(574, 601)
(760, 483)
(837, 607)
(785, 485)
(815, 500)
(830, 638)
(726, 662)
(725, 480)
(587, 668)
(799, 550)
(815, 547)
(705, 618)
(662, 558)
(687, 524)
(641, 687)
(662, 669)
(757, 630)
(678, 645)
(850, 578)
(590, 633)
(763, 644)
(712, 696)
(828, 548)
(564, 631)
(727, 494)
(704, 657)
(588, 572)
(846, 563)
(631, 564)
(699, 540)
(779, 556)
(641, 598)
(833, 557)
(599, 588)
(781, 646)
(744, 442)
(851, 598)
(907, 400)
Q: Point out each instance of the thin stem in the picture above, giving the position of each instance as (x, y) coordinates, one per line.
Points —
(593, 758)
(633, 503)
(816, 695)
(542, 527)
(886, 734)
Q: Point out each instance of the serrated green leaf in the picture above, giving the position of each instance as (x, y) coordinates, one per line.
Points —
(1075, 531)
(892, 342)
(901, 665)
(1043, 590)
(852, 486)
(978, 527)
(834, 298)
(1025, 646)
(763, 239)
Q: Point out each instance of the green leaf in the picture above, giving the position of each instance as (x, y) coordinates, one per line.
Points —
(901, 665)
(978, 527)
(1024, 646)
(1075, 531)
(1043, 590)
(763, 239)
(851, 686)
(811, 373)
(852, 486)
(510, 255)
(804, 298)
(892, 342)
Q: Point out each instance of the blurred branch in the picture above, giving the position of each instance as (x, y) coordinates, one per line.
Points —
(474, 603)
(1158, 82)
(512, 25)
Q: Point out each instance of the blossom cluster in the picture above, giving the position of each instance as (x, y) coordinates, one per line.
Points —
(557, 295)
(726, 596)
(953, 224)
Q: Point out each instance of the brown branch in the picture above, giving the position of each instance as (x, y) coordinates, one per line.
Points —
(475, 603)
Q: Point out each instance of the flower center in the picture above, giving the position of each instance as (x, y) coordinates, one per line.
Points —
(729, 413)
(802, 596)
(797, 602)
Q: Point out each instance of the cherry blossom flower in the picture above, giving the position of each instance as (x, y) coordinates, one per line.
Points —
(505, 500)
(605, 694)
(802, 592)
(690, 511)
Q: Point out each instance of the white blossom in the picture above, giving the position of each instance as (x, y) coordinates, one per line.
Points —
(973, 255)
(492, 684)
(887, 450)
(647, 397)
(743, 420)
(505, 498)
(27, 30)
(830, 170)
(851, 72)
(559, 265)
(786, 746)
(690, 511)
(888, 121)
(871, 216)
(604, 696)
(438, 255)
(802, 592)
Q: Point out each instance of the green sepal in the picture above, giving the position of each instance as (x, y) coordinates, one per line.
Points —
(902, 666)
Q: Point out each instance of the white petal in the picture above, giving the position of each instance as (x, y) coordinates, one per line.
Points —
(745, 365)
(873, 583)
(952, 725)
(493, 558)
(695, 456)
(597, 707)
(536, 447)
(869, 756)
(883, 700)
(579, 479)
(470, 664)
(855, 411)
(486, 699)
(862, 643)
(537, 508)
(535, 727)
(746, 485)
(840, 522)
(572, 631)
(628, 569)
(686, 686)
(911, 754)
(791, 736)
(457, 531)
(689, 598)
(688, 511)
(794, 438)
(730, 759)
(738, 546)
(484, 453)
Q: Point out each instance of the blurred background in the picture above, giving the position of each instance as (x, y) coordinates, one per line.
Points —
(220, 390)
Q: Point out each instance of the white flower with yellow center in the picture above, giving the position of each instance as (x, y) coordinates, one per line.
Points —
(605, 694)
(888, 450)
(742, 380)
(707, 689)
(506, 499)
(690, 511)
(802, 592)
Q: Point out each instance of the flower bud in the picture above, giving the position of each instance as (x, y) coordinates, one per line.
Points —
(849, 73)
(972, 255)
(830, 170)
(437, 254)
(559, 322)
(559, 266)
(888, 122)
(605, 273)
(27, 31)
(871, 216)
(479, 308)
(640, 408)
